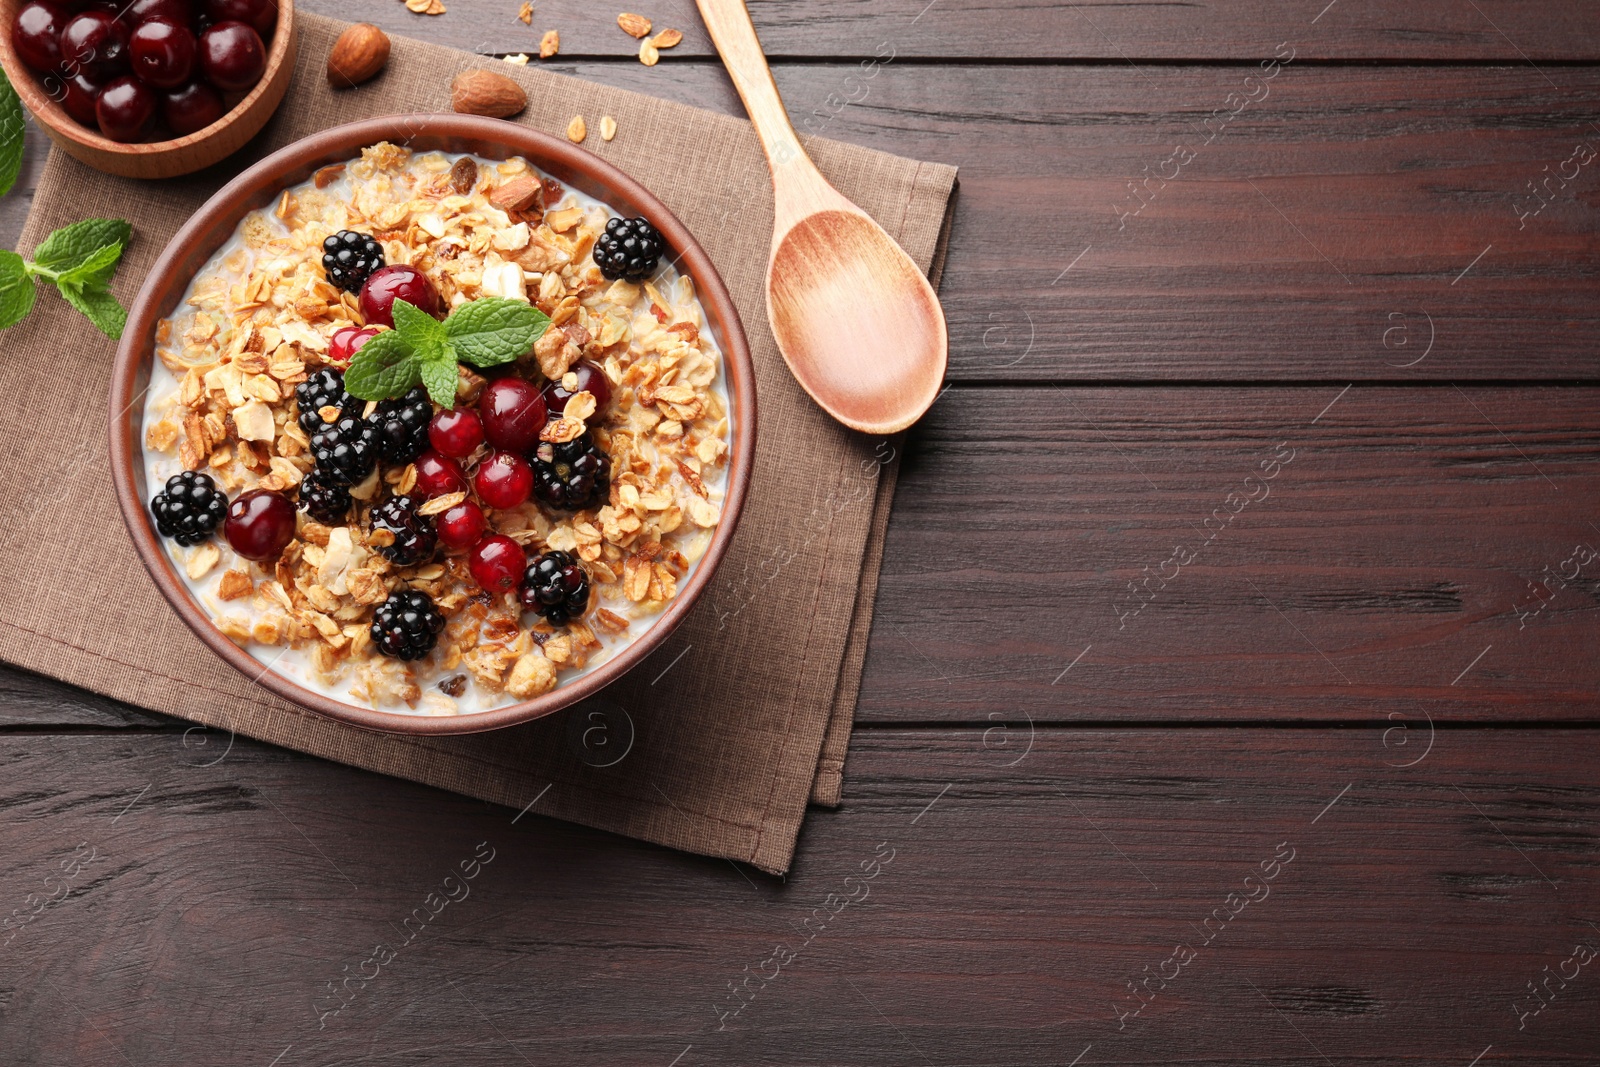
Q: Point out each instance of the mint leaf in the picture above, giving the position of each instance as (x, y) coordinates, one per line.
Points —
(420, 330)
(440, 376)
(12, 129)
(385, 367)
(97, 304)
(96, 270)
(494, 330)
(74, 245)
(16, 289)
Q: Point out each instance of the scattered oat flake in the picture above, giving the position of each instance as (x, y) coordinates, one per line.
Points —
(667, 38)
(525, 13)
(518, 60)
(633, 25)
(608, 127)
(549, 44)
(647, 53)
(577, 130)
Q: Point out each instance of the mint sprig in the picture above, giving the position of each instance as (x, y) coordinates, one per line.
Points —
(79, 259)
(484, 333)
(12, 129)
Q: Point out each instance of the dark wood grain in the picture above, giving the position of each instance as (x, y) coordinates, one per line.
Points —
(1399, 543)
(1278, 254)
(1017, 903)
(1035, 29)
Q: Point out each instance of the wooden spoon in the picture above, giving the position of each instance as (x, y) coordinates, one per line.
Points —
(856, 321)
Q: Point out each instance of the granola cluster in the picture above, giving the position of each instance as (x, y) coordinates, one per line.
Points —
(259, 320)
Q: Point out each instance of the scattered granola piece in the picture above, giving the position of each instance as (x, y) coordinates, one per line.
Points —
(518, 60)
(608, 127)
(667, 38)
(633, 25)
(549, 44)
(531, 676)
(525, 13)
(234, 584)
(576, 130)
(647, 53)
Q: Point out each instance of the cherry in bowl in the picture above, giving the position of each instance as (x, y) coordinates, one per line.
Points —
(398, 282)
(36, 35)
(163, 53)
(232, 56)
(125, 109)
(513, 413)
(260, 524)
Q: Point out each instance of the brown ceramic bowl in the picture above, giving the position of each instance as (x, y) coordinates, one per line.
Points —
(258, 187)
(157, 159)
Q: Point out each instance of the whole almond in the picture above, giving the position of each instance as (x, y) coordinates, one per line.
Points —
(358, 55)
(481, 92)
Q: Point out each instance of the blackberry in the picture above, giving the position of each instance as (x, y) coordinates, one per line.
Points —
(324, 389)
(406, 625)
(345, 451)
(189, 508)
(628, 249)
(414, 535)
(349, 257)
(324, 500)
(557, 587)
(571, 476)
(402, 426)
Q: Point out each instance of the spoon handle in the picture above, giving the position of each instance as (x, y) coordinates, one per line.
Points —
(793, 173)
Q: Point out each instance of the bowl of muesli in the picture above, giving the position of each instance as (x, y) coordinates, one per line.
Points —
(432, 423)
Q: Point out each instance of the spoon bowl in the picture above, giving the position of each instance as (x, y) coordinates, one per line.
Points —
(858, 324)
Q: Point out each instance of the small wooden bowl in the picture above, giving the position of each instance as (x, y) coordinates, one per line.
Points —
(156, 159)
(260, 186)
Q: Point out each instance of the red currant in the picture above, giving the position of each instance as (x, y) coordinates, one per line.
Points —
(462, 525)
(260, 524)
(591, 380)
(497, 563)
(347, 341)
(398, 282)
(513, 414)
(455, 432)
(438, 476)
(504, 480)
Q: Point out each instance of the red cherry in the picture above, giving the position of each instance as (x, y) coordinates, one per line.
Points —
(125, 109)
(76, 94)
(163, 53)
(232, 56)
(261, 14)
(462, 525)
(36, 35)
(96, 44)
(437, 476)
(513, 414)
(497, 562)
(347, 341)
(260, 524)
(192, 108)
(135, 14)
(504, 480)
(591, 380)
(387, 284)
(456, 432)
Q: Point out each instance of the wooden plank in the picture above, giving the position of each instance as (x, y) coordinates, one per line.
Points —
(1037, 29)
(1412, 529)
(1369, 575)
(1407, 912)
(1358, 223)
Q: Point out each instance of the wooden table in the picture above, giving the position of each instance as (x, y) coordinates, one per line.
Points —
(1232, 688)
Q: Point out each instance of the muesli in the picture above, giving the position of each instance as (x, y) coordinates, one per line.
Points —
(435, 434)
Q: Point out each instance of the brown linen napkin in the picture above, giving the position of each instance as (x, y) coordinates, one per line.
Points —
(728, 717)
